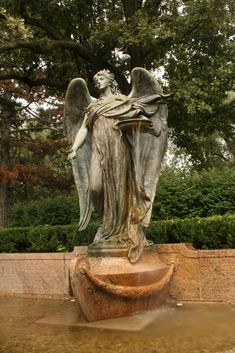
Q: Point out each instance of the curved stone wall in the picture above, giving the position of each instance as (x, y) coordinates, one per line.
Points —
(199, 275)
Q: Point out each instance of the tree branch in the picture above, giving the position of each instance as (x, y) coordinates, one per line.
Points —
(37, 128)
(136, 54)
(32, 82)
(45, 26)
(46, 47)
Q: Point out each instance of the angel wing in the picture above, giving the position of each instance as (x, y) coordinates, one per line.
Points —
(151, 149)
(77, 99)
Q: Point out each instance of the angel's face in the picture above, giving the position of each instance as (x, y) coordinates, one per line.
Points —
(101, 82)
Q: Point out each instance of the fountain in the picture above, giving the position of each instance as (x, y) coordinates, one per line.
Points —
(116, 171)
(118, 143)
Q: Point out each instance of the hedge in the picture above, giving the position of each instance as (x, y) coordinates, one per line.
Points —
(178, 196)
(215, 232)
(45, 238)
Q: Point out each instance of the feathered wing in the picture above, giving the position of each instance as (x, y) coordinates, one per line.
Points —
(77, 99)
(151, 149)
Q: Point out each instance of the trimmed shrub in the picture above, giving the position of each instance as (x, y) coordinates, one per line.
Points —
(215, 232)
(36, 239)
(178, 196)
(45, 238)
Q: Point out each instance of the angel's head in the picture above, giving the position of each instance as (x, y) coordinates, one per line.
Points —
(104, 79)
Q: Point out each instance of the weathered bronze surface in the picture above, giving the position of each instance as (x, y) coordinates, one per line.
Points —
(118, 143)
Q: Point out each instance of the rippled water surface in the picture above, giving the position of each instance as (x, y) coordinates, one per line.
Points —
(186, 329)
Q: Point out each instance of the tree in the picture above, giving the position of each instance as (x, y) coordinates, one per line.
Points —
(33, 149)
(7, 114)
(49, 42)
(201, 73)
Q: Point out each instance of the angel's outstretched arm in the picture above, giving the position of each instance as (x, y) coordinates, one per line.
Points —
(79, 140)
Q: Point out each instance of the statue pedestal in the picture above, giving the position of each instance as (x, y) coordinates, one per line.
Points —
(110, 287)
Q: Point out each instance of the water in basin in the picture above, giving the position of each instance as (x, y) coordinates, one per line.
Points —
(190, 328)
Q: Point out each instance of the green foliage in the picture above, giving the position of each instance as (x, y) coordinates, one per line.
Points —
(215, 232)
(45, 238)
(15, 25)
(178, 196)
(59, 210)
(192, 40)
(199, 195)
(199, 71)
(36, 239)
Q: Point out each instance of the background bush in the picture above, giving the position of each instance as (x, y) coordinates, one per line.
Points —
(199, 195)
(50, 211)
(178, 196)
(186, 209)
(215, 232)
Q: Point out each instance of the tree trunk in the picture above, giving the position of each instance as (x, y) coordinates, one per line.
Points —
(4, 204)
(136, 56)
(5, 125)
(135, 51)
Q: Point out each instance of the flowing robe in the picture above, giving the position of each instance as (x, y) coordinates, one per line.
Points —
(117, 191)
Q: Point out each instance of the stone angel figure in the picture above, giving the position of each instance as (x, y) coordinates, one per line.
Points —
(118, 143)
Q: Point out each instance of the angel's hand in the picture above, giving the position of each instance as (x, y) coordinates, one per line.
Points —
(72, 155)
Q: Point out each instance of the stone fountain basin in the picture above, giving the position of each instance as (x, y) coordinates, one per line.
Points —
(110, 287)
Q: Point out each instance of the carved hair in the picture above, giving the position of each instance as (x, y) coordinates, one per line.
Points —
(108, 74)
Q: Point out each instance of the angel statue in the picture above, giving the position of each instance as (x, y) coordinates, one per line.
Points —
(118, 143)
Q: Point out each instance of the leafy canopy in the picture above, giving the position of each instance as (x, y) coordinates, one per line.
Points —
(48, 42)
